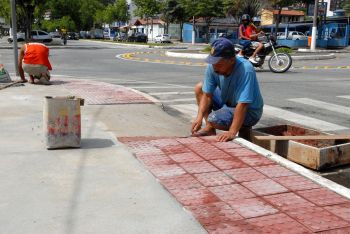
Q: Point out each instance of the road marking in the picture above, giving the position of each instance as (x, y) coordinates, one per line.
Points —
(178, 100)
(322, 105)
(171, 93)
(346, 96)
(301, 119)
(186, 109)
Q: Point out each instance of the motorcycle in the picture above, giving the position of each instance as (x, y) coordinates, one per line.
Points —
(278, 62)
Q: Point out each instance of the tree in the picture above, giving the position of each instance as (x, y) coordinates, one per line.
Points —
(118, 11)
(346, 6)
(208, 10)
(147, 9)
(174, 12)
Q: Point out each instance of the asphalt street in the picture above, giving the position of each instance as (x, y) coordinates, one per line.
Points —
(313, 97)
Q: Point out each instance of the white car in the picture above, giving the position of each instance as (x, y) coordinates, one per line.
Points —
(37, 36)
(20, 37)
(163, 38)
(292, 35)
(41, 36)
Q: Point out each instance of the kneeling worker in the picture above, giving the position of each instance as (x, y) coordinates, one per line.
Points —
(229, 97)
(34, 60)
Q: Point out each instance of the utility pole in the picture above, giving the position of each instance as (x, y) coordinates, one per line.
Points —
(14, 34)
(314, 27)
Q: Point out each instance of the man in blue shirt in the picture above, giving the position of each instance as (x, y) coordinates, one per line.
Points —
(229, 97)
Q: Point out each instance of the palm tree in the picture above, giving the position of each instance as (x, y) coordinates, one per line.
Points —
(236, 8)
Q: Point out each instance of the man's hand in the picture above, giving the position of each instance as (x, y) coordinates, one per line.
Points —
(226, 136)
(196, 125)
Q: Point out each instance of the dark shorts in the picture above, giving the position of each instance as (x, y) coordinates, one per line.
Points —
(223, 115)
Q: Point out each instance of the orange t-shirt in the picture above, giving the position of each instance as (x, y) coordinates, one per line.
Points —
(251, 30)
(37, 53)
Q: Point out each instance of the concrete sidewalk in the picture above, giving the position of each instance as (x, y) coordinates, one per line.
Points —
(104, 188)
(100, 188)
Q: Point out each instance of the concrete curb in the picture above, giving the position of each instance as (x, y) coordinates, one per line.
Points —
(294, 57)
(138, 46)
(322, 51)
(345, 192)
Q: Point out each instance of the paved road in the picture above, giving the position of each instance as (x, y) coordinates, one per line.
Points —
(316, 98)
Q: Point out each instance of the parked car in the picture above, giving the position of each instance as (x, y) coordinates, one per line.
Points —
(41, 36)
(73, 36)
(138, 37)
(55, 34)
(37, 36)
(120, 36)
(163, 38)
(20, 37)
(292, 35)
(96, 34)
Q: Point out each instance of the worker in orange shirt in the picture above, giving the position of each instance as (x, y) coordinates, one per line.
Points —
(34, 60)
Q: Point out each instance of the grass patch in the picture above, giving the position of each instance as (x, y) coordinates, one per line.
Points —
(284, 50)
(206, 49)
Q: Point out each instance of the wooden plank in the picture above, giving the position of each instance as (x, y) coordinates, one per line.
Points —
(307, 137)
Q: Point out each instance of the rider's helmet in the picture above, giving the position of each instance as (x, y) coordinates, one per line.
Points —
(245, 19)
(256, 21)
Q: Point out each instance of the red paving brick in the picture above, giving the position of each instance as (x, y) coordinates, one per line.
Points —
(342, 210)
(175, 149)
(231, 192)
(317, 219)
(277, 223)
(165, 142)
(244, 174)
(163, 171)
(198, 167)
(322, 197)
(186, 157)
(155, 159)
(207, 151)
(337, 231)
(264, 187)
(189, 140)
(228, 163)
(240, 191)
(252, 207)
(214, 179)
(181, 182)
(288, 201)
(227, 145)
(235, 227)
(296, 183)
(239, 152)
(273, 171)
(190, 197)
(96, 93)
(256, 160)
(213, 213)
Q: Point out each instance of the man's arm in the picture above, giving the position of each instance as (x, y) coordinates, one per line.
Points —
(203, 109)
(20, 59)
(237, 122)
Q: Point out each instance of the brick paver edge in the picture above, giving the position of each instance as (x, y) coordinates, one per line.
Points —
(341, 190)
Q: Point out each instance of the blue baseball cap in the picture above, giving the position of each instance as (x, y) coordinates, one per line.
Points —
(220, 48)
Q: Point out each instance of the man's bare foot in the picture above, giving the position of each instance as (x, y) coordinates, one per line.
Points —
(205, 132)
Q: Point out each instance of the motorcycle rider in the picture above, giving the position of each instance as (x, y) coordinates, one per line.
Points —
(248, 35)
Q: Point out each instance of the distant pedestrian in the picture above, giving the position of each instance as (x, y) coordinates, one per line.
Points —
(229, 97)
(34, 60)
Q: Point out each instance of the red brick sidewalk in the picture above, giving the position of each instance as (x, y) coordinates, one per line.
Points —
(97, 93)
(231, 189)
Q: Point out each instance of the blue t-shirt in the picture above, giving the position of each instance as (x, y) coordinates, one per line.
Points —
(240, 87)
